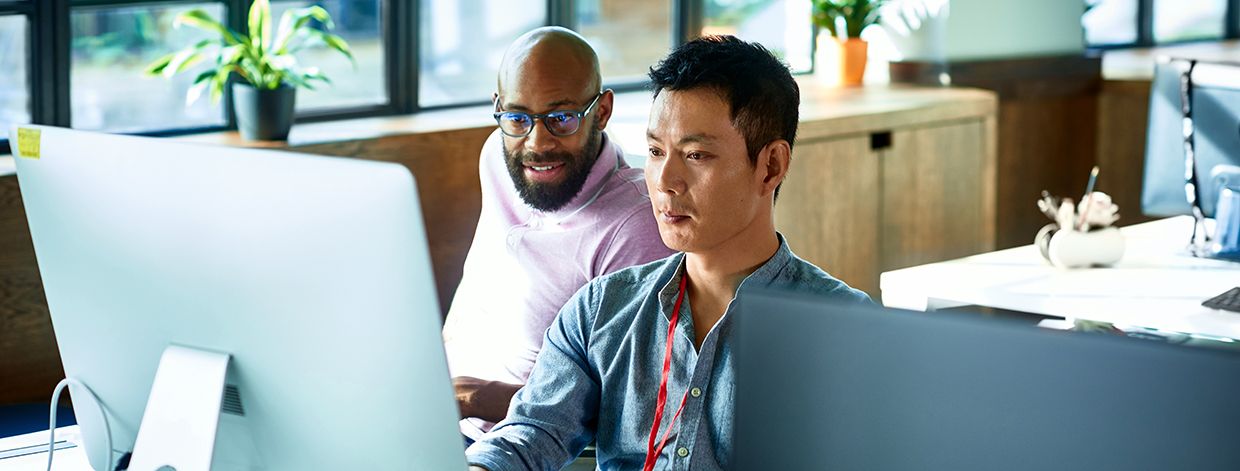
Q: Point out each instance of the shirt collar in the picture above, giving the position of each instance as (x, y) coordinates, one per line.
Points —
(767, 273)
(763, 276)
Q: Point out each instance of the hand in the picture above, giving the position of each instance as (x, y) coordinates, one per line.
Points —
(487, 400)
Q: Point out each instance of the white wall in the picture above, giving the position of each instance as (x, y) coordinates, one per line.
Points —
(988, 29)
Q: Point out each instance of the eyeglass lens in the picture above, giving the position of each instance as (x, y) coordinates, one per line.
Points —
(560, 123)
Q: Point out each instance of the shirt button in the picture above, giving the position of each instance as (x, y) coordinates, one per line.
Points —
(695, 392)
(512, 239)
(683, 452)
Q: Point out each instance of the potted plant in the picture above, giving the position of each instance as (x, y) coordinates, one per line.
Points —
(856, 16)
(264, 71)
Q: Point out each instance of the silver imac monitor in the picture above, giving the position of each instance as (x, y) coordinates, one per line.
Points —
(826, 386)
(309, 275)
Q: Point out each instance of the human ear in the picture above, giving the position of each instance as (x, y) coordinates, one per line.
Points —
(772, 165)
(603, 108)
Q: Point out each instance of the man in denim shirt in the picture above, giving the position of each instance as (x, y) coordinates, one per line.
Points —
(720, 141)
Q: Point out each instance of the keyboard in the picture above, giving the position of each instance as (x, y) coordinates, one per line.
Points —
(1229, 301)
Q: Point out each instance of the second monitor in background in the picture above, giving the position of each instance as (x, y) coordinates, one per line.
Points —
(1214, 112)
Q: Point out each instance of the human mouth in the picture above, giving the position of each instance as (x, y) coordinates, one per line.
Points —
(671, 217)
(543, 171)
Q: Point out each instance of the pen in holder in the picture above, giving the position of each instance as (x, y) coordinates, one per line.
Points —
(1082, 235)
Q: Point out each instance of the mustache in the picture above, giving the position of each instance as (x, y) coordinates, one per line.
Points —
(527, 157)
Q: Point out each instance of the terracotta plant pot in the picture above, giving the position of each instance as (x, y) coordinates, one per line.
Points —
(853, 54)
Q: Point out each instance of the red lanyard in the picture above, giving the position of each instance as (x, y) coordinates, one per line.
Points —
(652, 453)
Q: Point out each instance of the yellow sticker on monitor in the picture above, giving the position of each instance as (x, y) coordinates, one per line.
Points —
(28, 142)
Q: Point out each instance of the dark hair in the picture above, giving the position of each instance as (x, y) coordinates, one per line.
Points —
(760, 89)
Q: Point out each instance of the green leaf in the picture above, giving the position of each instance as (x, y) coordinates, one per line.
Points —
(260, 25)
(294, 78)
(315, 73)
(294, 20)
(200, 85)
(334, 42)
(857, 14)
(195, 92)
(157, 67)
(186, 58)
(202, 20)
(230, 55)
(217, 87)
(320, 14)
(250, 72)
(205, 75)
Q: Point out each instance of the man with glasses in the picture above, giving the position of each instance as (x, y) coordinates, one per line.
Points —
(559, 207)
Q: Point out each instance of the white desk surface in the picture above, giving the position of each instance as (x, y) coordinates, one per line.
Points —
(35, 459)
(1155, 285)
(74, 459)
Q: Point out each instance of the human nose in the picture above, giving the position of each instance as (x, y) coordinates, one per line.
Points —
(666, 176)
(540, 138)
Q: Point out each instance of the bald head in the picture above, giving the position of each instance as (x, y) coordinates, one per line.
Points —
(549, 54)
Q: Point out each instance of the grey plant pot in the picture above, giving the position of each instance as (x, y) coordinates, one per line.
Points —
(263, 115)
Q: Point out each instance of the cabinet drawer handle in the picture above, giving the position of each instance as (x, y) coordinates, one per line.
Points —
(880, 140)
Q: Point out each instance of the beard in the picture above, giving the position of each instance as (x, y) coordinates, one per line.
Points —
(553, 196)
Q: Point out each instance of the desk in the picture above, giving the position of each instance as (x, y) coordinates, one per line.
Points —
(1153, 286)
(29, 452)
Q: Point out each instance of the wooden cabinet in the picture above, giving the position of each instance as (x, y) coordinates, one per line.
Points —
(907, 181)
(828, 208)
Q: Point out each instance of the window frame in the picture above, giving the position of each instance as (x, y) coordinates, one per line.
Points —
(1145, 27)
(49, 36)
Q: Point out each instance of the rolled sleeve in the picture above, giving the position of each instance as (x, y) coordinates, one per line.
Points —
(555, 415)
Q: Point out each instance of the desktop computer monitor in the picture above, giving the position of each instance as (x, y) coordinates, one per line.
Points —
(311, 272)
(843, 387)
(1215, 114)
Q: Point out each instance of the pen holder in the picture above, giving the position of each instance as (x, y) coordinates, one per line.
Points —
(1075, 249)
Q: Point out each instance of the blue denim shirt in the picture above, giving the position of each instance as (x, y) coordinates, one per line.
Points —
(597, 376)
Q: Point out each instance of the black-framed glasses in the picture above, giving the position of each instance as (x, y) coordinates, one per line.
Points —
(560, 123)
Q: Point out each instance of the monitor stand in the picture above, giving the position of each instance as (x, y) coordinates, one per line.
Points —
(1202, 244)
(182, 413)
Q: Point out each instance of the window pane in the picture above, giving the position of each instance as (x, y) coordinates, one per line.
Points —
(14, 84)
(1110, 22)
(111, 47)
(358, 22)
(462, 42)
(628, 35)
(782, 26)
(1178, 20)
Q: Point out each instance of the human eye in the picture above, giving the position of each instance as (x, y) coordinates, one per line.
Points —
(695, 156)
(656, 153)
(517, 118)
(560, 117)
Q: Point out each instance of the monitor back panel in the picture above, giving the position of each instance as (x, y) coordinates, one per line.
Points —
(823, 386)
(312, 272)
